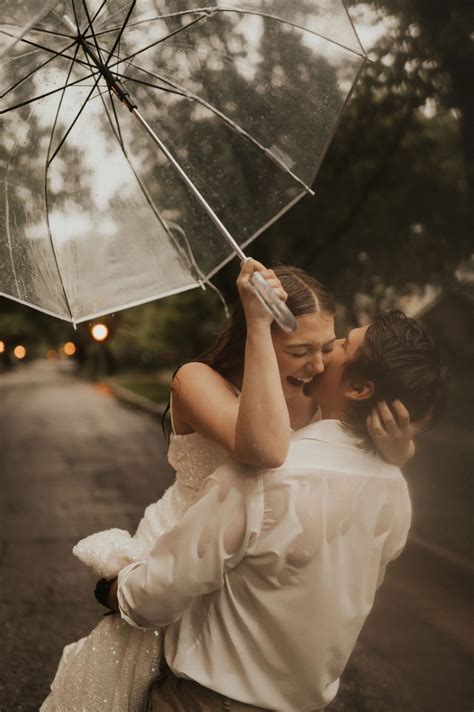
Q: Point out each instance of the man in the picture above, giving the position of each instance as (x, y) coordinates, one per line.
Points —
(267, 580)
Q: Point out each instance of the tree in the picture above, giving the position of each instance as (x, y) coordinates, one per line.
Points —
(392, 200)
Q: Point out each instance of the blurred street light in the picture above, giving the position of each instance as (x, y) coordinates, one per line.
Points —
(19, 352)
(99, 332)
(69, 348)
(2, 347)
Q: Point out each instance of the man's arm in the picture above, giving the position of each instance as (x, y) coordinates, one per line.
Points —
(192, 558)
(398, 534)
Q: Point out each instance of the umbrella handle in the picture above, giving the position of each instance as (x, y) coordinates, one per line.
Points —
(277, 308)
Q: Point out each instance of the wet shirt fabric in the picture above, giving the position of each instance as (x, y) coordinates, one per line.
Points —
(267, 580)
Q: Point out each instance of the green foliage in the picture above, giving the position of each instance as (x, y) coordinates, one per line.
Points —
(164, 333)
(392, 195)
(36, 331)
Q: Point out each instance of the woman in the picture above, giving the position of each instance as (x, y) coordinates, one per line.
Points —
(229, 402)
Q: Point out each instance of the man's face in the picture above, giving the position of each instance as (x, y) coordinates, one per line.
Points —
(328, 389)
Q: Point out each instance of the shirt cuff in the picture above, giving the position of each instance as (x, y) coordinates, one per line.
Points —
(124, 609)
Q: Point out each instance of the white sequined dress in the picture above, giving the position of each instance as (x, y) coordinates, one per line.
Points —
(112, 668)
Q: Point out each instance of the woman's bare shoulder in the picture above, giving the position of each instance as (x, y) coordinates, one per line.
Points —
(197, 374)
(205, 402)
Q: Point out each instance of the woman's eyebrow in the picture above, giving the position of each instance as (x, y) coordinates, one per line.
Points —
(310, 345)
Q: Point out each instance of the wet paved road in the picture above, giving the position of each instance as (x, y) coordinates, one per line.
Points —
(74, 461)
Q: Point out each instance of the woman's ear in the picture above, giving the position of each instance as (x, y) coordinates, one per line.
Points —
(360, 391)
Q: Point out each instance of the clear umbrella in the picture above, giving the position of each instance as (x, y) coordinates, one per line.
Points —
(143, 143)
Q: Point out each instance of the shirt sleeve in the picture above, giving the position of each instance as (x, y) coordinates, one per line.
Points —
(398, 535)
(191, 559)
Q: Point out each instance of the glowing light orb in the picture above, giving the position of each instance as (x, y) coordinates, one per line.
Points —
(19, 352)
(100, 332)
(69, 348)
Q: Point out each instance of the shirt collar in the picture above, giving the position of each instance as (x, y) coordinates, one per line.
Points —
(327, 431)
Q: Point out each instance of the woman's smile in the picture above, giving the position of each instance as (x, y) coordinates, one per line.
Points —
(298, 381)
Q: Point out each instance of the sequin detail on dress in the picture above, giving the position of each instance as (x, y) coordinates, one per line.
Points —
(112, 668)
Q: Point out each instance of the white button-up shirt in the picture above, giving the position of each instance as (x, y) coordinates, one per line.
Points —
(267, 580)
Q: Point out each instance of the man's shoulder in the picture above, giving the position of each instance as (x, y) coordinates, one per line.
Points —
(326, 446)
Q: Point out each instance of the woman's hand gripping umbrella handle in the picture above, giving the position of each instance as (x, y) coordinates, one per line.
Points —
(272, 302)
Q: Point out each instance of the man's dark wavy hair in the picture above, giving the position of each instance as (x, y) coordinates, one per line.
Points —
(401, 360)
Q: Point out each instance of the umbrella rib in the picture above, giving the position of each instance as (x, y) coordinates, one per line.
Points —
(29, 42)
(150, 19)
(168, 90)
(45, 188)
(162, 39)
(33, 71)
(364, 53)
(43, 47)
(121, 31)
(55, 121)
(9, 237)
(74, 10)
(230, 122)
(98, 11)
(47, 6)
(90, 21)
(48, 93)
(208, 10)
(292, 24)
(61, 143)
(117, 131)
(189, 260)
(49, 32)
(91, 26)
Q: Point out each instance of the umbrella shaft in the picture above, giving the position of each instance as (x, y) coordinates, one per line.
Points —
(112, 82)
(202, 201)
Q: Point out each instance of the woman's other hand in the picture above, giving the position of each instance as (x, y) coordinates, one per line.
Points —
(253, 308)
(392, 432)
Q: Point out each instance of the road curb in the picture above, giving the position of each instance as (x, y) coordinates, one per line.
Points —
(136, 401)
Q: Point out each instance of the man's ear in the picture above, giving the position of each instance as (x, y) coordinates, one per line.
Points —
(360, 391)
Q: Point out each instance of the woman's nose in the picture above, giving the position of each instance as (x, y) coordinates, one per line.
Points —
(317, 364)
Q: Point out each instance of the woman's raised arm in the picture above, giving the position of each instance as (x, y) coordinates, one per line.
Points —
(254, 428)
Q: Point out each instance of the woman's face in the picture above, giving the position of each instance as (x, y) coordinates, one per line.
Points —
(303, 354)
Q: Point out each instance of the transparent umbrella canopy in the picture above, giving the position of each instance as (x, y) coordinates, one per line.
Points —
(143, 144)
